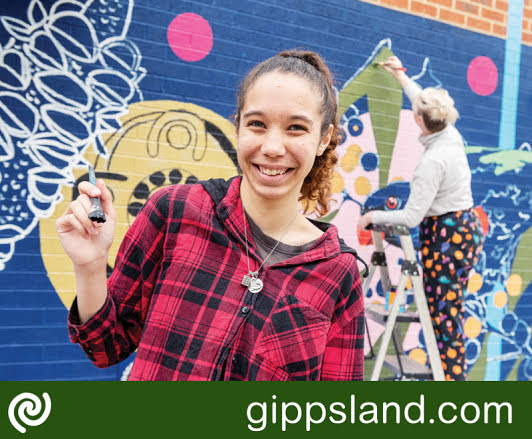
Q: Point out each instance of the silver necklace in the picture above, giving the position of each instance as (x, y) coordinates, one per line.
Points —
(251, 280)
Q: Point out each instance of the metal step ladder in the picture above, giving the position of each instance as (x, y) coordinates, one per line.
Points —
(401, 364)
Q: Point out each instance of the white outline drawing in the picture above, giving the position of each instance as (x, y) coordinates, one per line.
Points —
(68, 75)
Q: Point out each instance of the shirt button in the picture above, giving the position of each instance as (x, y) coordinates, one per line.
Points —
(73, 331)
(234, 360)
(244, 310)
(88, 350)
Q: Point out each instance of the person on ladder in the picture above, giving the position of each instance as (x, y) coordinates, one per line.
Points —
(441, 203)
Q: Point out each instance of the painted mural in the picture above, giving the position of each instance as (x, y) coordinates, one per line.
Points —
(78, 86)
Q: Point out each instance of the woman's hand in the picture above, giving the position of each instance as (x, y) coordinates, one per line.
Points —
(394, 66)
(85, 242)
(365, 220)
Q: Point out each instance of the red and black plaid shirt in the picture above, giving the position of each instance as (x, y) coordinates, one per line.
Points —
(176, 295)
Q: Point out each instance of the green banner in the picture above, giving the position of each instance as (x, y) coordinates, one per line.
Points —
(151, 410)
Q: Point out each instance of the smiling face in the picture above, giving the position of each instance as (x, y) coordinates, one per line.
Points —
(279, 136)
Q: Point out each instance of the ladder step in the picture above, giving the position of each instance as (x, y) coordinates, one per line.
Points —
(377, 311)
(411, 368)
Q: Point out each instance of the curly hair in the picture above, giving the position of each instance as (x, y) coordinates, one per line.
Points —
(316, 190)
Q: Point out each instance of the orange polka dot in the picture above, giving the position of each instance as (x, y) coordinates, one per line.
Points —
(438, 267)
(457, 369)
(444, 365)
(458, 255)
(433, 273)
(448, 377)
(428, 263)
(457, 239)
(469, 237)
(462, 350)
(451, 353)
(454, 311)
(451, 295)
(425, 251)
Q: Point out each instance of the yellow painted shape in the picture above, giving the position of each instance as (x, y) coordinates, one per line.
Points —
(337, 183)
(362, 186)
(351, 158)
(418, 355)
(472, 327)
(156, 136)
(500, 299)
(514, 285)
(475, 283)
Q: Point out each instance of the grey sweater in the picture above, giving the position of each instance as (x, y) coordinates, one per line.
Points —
(442, 178)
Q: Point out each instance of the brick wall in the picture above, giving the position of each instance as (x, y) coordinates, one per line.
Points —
(485, 16)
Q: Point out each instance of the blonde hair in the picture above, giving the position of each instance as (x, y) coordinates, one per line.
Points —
(436, 107)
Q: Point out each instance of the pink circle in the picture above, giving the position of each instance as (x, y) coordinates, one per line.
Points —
(482, 76)
(190, 36)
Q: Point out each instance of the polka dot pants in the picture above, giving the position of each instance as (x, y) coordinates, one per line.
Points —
(450, 246)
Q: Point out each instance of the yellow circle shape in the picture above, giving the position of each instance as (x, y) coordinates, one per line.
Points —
(362, 186)
(472, 327)
(397, 179)
(500, 298)
(514, 285)
(418, 355)
(337, 183)
(475, 282)
(155, 138)
(351, 158)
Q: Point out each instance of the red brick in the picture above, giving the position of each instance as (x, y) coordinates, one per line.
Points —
(400, 4)
(423, 8)
(478, 24)
(484, 2)
(466, 6)
(499, 29)
(501, 5)
(527, 13)
(493, 15)
(452, 17)
(527, 37)
(446, 3)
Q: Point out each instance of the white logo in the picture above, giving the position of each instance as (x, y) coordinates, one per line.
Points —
(31, 405)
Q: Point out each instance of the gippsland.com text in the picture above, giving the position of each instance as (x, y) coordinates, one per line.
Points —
(283, 414)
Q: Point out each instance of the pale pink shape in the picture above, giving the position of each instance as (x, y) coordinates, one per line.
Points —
(407, 150)
(190, 36)
(482, 76)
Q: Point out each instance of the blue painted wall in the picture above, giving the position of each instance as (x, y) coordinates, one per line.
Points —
(40, 153)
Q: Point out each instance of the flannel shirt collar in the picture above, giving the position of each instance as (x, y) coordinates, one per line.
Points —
(228, 207)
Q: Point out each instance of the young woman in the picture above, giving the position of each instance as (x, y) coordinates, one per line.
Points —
(227, 280)
(441, 203)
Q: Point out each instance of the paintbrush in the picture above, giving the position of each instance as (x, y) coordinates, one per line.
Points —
(96, 213)
(403, 69)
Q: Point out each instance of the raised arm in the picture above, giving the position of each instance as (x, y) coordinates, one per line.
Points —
(394, 66)
(87, 244)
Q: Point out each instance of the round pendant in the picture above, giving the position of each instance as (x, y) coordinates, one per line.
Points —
(255, 285)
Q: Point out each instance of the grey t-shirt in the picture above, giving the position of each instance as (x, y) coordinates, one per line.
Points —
(266, 243)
